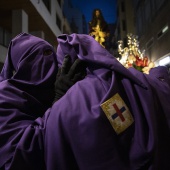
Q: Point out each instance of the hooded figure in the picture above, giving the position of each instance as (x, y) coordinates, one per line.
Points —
(112, 119)
(31, 66)
(26, 91)
(28, 87)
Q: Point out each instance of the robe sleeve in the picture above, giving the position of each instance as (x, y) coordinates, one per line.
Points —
(21, 133)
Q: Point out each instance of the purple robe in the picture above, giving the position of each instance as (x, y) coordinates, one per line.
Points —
(113, 119)
(26, 92)
(82, 135)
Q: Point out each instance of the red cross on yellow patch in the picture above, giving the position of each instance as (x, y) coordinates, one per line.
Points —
(118, 113)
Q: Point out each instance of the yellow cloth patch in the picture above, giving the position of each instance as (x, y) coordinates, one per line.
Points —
(118, 113)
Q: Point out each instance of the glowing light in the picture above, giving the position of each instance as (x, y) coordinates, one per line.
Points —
(164, 29)
(131, 56)
(164, 61)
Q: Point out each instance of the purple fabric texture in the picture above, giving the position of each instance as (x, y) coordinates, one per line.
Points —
(82, 137)
(26, 92)
(75, 133)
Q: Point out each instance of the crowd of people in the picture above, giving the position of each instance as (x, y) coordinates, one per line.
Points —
(80, 109)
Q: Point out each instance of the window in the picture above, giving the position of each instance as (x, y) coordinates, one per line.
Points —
(47, 4)
(123, 25)
(147, 12)
(59, 2)
(1, 36)
(159, 3)
(163, 31)
(149, 43)
(5, 37)
(58, 21)
(1, 66)
(122, 6)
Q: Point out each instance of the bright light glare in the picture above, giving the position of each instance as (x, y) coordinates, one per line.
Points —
(164, 61)
(165, 29)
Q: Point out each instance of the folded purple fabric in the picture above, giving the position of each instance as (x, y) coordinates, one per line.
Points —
(113, 119)
(26, 92)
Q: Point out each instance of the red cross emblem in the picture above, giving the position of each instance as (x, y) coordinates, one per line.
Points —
(117, 113)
